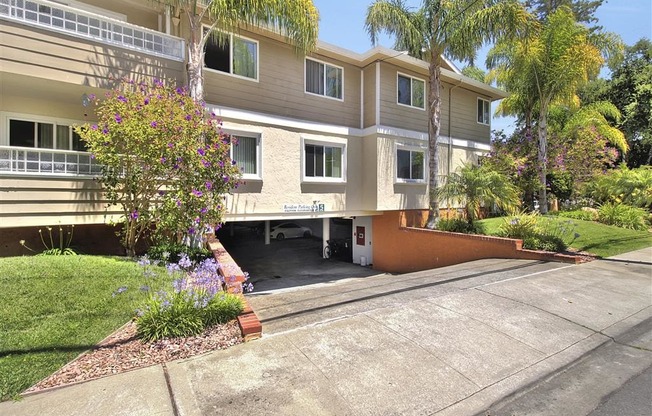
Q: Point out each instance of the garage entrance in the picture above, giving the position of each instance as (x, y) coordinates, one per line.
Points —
(294, 256)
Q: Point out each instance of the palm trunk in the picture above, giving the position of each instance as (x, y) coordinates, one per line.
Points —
(542, 157)
(434, 126)
(195, 60)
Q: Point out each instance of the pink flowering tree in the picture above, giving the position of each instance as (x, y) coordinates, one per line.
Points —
(165, 163)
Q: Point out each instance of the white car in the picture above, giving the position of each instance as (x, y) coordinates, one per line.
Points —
(289, 230)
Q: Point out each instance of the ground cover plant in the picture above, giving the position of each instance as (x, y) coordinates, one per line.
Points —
(598, 239)
(55, 307)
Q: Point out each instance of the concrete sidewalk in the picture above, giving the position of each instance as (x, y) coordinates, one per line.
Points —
(450, 341)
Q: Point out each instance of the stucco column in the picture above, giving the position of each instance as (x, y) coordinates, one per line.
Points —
(267, 233)
(326, 233)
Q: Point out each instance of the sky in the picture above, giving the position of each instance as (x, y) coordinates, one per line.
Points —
(342, 24)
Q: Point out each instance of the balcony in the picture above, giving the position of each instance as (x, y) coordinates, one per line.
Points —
(91, 26)
(34, 161)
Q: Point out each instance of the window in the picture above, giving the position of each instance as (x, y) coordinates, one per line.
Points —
(323, 79)
(244, 150)
(233, 55)
(411, 91)
(484, 107)
(23, 133)
(410, 165)
(324, 161)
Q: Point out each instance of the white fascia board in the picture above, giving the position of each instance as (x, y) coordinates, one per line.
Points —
(308, 126)
(250, 116)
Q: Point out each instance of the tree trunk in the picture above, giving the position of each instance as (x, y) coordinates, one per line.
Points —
(434, 126)
(195, 65)
(542, 157)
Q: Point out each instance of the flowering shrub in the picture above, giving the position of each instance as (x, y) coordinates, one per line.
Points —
(164, 161)
(195, 301)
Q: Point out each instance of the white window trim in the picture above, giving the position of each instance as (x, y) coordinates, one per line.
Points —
(411, 148)
(329, 142)
(55, 121)
(425, 92)
(258, 176)
(230, 73)
(476, 109)
(305, 80)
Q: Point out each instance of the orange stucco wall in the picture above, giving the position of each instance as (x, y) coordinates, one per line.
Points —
(400, 248)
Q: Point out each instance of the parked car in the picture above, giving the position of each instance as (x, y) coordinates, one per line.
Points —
(289, 230)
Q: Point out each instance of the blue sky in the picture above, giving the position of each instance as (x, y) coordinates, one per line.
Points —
(342, 24)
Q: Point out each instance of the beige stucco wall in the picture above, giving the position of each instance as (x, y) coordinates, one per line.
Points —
(281, 175)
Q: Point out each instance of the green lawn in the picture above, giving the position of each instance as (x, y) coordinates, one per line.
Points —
(598, 239)
(52, 308)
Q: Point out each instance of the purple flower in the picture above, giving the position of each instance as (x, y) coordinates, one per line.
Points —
(120, 290)
(105, 130)
(188, 117)
(91, 96)
(206, 163)
(201, 151)
(204, 210)
(226, 178)
(158, 82)
(209, 185)
(134, 215)
(197, 193)
(153, 124)
(122, 98)
(146, 101)
(92, 156)
(191, 230)
(179, 90)
(94, 127)
(170, 145)
(233, 162)
(178, 203)
(161, 193)
(163, 159)
(118, 119)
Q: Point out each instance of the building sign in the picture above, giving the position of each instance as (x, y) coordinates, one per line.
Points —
(304, 208)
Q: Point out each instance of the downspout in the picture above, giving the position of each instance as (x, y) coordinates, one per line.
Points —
(450, 135)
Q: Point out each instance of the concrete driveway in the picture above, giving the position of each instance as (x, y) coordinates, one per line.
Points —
(450, 341)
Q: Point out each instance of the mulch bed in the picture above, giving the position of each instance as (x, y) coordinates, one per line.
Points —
(123, 351)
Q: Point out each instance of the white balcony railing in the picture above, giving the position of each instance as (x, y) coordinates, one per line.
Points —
(27, 160)
(53, 16)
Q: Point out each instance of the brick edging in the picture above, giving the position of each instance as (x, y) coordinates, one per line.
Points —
(234, 277)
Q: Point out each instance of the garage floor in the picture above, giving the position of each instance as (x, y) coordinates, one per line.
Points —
(286, 264)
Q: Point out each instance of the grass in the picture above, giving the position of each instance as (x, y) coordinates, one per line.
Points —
(598, 239)
(55, 307)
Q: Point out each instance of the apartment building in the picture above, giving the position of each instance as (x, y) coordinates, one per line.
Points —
(332, 135)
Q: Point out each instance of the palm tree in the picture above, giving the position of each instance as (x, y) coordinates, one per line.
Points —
(455, 28)
(478, 186)
(296, 19)
(595, 116)
(550, 64)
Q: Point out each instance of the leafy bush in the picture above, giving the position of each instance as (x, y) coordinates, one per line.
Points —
(520, 226)
(544, 242)
(623, 216)
(627, 186)
(171, 252)
(539, 233)
(460, 225)
(580, 214)
(169, 316)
